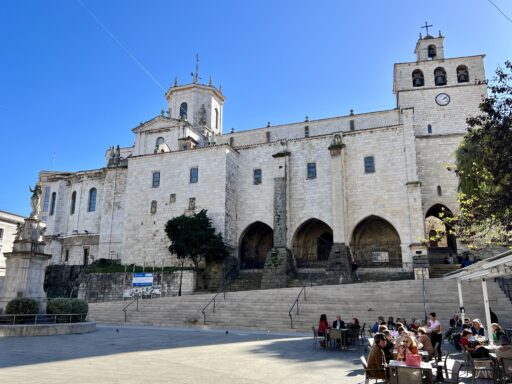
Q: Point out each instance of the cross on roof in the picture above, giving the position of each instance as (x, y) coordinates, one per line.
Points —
(426, 26)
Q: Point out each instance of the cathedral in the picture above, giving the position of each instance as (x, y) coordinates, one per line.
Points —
(364, 187)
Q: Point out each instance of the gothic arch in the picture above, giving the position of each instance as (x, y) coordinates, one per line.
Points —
(376, 243)
(312, 243)
(437, 231)
(255, 243)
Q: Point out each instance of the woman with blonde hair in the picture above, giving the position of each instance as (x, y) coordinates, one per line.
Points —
(408, 346)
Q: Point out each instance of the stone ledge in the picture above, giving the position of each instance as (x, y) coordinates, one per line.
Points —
(47, 329)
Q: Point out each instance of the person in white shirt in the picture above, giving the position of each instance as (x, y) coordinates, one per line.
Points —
(434, 328)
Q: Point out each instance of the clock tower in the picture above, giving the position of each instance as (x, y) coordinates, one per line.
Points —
(443, 91)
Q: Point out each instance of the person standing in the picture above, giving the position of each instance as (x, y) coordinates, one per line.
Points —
(434, 327)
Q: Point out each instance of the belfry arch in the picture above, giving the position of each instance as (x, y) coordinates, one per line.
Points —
(376, 243)
(255, 243)
(437, 230)
(312, 243)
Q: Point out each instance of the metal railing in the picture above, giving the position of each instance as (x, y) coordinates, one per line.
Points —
(43, 319)
(296, 302)
(125, 309)
(506, 286)
(228, 279)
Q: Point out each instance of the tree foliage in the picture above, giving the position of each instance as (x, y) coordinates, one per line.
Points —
(484, 167)
(193, 237)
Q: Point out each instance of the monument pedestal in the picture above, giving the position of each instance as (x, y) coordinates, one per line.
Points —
(26, 266)
(278, 266)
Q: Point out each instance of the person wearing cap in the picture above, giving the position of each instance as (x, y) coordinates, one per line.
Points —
(505, 348)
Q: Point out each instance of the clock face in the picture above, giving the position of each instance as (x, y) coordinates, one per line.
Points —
(442, 99)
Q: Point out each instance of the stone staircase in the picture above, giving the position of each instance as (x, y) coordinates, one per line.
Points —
(268, 309)
(438, 268)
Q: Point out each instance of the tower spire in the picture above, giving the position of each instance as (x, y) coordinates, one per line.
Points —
(196, 73)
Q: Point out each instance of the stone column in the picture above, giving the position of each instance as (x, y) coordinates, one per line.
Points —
(413, 185)
(26, 266)
(340, 262)
(280, 263)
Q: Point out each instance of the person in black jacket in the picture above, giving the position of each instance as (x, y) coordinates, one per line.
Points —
(388, 349)
(338, 323)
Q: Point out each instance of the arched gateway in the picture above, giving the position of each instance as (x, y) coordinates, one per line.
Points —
(312, 243)
(437, 230)
(376, 243)
(255, 243)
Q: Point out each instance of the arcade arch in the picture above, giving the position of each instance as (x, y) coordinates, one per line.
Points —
(376, 243)
(312, 243)
(255, 243)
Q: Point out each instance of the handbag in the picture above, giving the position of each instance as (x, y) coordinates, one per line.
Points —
(412, 360)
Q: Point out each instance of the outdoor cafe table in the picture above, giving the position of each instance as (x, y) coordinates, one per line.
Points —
(426, 370)
(334, 335)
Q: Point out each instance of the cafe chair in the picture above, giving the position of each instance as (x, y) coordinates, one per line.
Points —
(454, 373)
(506, 370)
(408, 375)
(480, 368)
(368, 373)
(315, 337)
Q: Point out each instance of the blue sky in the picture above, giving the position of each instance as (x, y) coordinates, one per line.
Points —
(69, 90)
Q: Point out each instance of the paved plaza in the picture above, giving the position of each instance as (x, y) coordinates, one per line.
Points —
(170, 355)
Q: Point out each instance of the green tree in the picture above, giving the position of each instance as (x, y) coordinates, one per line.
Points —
(194, 238)
(484, 167)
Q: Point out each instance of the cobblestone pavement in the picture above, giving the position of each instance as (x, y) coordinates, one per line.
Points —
(170, 355)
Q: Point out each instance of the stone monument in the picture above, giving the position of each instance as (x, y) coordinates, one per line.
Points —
(26, 264)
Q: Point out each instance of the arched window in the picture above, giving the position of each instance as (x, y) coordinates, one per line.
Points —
(52, 203)
(159, 141)
(432, 51)
(440, 76)
(91, 206)
(73, 203)
(183, 111)
(216, 118)
(439, 191)
(429, 128)
(417, 78)
(153, 207)
(462, 74)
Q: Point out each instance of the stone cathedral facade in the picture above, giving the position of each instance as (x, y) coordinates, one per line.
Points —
(316, 192)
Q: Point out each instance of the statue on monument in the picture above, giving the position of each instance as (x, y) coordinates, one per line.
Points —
(35, 200)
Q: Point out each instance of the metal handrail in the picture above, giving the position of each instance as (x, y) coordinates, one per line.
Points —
(296, 302)
(227, 283)
(43, 318)
(505, 284)
(125, 309)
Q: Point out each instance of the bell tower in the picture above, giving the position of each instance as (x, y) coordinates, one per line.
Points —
(429, 47)
(199, 104)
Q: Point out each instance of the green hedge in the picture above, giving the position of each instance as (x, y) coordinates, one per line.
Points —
(61, 305)
(22, 306)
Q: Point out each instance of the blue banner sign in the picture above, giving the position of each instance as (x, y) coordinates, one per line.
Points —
(142, 279)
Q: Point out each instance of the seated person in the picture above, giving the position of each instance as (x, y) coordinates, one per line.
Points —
(391, 323)
(505, 348)
(376, 358)
(323, 326)
(408, 346)
(497, 332)
(375, 327)
(355, 322)
(425, 341)
(477, 328)
(475, 349)
(467, 324)
(338, 323)
(390, 345)
(400, 332)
